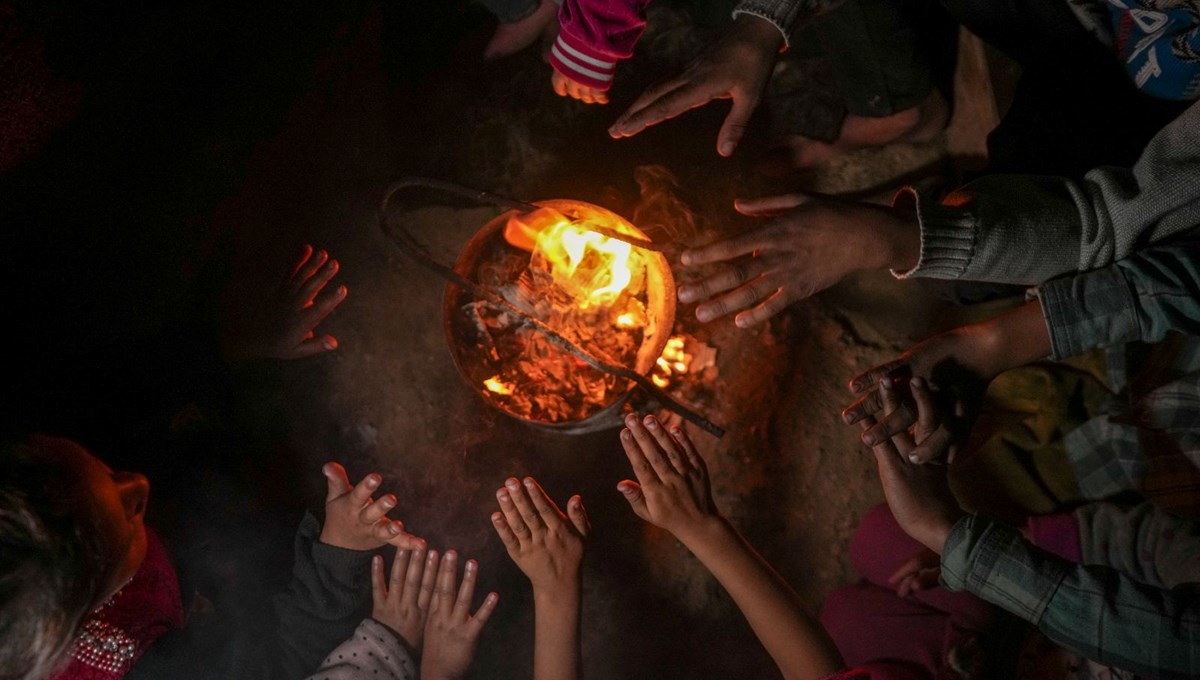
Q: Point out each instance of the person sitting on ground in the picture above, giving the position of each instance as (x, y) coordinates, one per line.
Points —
(1106, 607)
(88, 589)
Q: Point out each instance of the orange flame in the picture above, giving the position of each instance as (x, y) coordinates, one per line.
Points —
(672, 362)
(592, 267)
(494, 384)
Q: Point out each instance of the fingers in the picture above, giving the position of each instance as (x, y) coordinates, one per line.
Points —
(773, 305)
(728, 278)
(512, 517)
(466, 590)
(632, 491)
(735, 124)
(869, 379)
(505, 532)
(379, 591)
(520, 498)
(545, 507)
(399, 568)
(305, 271)
(869, 404)
(336, 482)
(898, 417)
(578, 515)
(675, 455)
(312, 346)
(727, 249)
(559, 82)
(928, 418)
(374, 512)
(305, 252)
(650, 449)
(361, 493)
(749, 295)
(658, 103)
(769, 206)
(641, 466)
(429, 573)
(444, 586)
(312, 316)
(689, 449)
(480, 619)
(407, 570)
(310, 288)
(937, 447)
(910, 566)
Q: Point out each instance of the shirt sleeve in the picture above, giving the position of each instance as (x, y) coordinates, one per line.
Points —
(1144, 541)
(1027, 229)
(1095, 611)
(593, 36)
(1140, 298)
(330, 591)
(784, 14)
(373, 652)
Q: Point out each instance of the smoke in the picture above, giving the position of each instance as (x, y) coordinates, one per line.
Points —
(660, 212)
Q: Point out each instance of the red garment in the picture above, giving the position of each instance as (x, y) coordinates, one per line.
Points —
(120, 630)
(593, 36)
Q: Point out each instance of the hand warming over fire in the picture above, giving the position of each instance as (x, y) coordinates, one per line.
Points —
(810, 243)
(355, 521)
(283, 325)
(548, 548)
(451, 631)
(672, 489)
(565, 87)
(402, 602)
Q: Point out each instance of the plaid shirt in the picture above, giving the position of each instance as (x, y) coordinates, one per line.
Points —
(1093, 610)
(1149, 441)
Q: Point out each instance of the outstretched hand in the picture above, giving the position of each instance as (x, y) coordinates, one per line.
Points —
(737, 67)
(451, 631)
(919, 496)
(810, 243)
(356, 521)
(672, 490)
(545, 544)
(283, 325)
(402, 602)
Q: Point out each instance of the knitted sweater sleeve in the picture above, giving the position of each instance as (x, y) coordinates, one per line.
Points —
(785, 15)
(593, 36)
(1026, 229)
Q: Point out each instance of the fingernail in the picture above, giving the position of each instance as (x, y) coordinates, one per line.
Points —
(394, 529)
(686, 257)
(869, 439)
(631, 420)
(497, 517)
(502, 495)
(741, 322)
(450, 555)
(686, 294)
(377, 560)
(914, 458)
(373, 480)
(856, 387)
(727, 148)
(849, 417)
(651, 422)
(388, 501)
(512, 483)
(626, 435)
(341, 291)
(703, 314)
(329, 344)
(528, 482)
(333, 264)
(676, 431)
(471, 565)
(886, 382)
(916, 383)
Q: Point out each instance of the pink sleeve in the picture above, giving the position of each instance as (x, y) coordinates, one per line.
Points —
(1058, 534)
(593, 36)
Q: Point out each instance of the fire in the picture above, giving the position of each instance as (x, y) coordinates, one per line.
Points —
(594, 268)
(672, 362)
(494, 384)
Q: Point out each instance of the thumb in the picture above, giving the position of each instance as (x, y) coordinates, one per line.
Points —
(632, 491)
(336, 482)
(578, 515)
(769, 206)
(735, 125)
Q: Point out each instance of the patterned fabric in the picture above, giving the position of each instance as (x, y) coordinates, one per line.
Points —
(374, 651)
(121, 629)
(1092, 610)
(594, 35)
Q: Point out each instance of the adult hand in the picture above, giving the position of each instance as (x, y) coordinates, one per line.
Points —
(737, 67)
(810, 243)
(919, 496)
(451, 631)
(354, 520)
(672, 490)
(283, 325)
(402, 602)
(565, 87)
(546, 546)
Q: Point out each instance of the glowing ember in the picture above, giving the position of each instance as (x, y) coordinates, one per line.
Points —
(494, 384)
(673, 362)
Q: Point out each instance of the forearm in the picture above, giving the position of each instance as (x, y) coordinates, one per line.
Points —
(797, 643)
(1015, 338)
(556, 652)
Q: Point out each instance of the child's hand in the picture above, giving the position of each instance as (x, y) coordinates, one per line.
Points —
(402, 603)
(545, 546)
(918, 573)
(353, 520)
(672, 491)
(282, 326)
(565, 87)
(919, 496)
(451, 632)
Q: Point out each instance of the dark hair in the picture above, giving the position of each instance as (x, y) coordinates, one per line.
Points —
(53, 564)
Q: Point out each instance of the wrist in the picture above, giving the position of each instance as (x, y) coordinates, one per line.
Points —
(758, 32)
(558, 591)
(703, 533)
(897, 239)
(1014, 339)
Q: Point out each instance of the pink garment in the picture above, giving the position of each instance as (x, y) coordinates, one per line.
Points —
(1058, 534)
(889, 637)
(593, 36)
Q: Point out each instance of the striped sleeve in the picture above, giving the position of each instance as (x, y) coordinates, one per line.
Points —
(594, 35)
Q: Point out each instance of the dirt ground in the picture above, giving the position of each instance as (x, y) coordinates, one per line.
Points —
(787, 472)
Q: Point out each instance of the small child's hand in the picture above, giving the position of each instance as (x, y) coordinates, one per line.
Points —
(451, 632)
(354, 520)
(402, 603)
(282, 325)
(538, 537)
(672, 491)
(920, 572)
(565, 87)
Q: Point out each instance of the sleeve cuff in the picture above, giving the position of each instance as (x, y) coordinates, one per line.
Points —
(1088, 311)
(787, 42)
(947, 237)
(994, 562)
(585, 66)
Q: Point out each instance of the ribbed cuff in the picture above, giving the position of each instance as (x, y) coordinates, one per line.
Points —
(947, 237)
(581, 64)
(787, 42)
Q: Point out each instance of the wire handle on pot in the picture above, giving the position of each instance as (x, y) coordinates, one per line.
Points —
(408, 245)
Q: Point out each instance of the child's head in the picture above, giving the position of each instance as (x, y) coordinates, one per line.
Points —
(71, 535)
